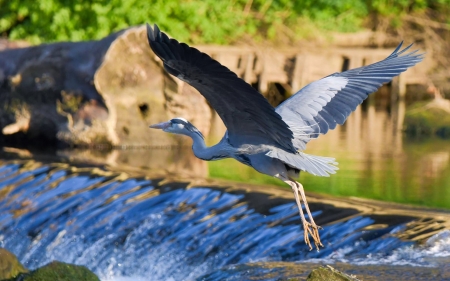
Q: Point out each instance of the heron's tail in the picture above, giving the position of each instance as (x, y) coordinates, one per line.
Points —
(316, 165)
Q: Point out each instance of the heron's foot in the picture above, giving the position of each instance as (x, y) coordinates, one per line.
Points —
(309, 228)
(313, 230)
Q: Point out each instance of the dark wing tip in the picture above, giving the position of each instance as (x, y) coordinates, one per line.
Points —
(398, 51)
(160, 43)
(153, 34)
(150, 35)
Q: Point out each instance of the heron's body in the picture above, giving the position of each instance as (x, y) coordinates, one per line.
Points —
(250, 155)
(271, 140)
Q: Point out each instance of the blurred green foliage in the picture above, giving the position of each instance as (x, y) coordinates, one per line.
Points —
(197, 21)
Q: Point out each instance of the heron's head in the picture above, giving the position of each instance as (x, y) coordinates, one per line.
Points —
(178, 126)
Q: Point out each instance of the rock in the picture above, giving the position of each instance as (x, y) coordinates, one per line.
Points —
(95, 92)
(10, 267)
(139, 92)
(329, 274)
(59, 271)
(36, 78)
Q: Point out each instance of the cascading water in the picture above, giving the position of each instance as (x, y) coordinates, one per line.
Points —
(125, 228)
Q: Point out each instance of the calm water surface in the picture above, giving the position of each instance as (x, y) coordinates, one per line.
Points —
(375, 160)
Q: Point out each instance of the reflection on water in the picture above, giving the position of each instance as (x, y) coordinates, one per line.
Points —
(375, 161)
(156, 160)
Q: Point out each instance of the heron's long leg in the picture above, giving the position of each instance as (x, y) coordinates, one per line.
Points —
(306, 225)
(315, 228)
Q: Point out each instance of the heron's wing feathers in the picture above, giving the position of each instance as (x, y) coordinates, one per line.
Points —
(248, 116)
(316, 165)
(322, 104)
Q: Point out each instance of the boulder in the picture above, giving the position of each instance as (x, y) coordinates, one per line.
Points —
(10, 267)
(59, 271)
(95, 92)
(139, 92)
(329, 274)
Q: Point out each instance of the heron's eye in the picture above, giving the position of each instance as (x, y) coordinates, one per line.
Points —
(178, 126)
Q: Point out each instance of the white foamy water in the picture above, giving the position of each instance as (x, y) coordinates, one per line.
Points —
(434, 252)
(133, 230)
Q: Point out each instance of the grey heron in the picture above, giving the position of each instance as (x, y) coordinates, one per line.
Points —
(272, 140)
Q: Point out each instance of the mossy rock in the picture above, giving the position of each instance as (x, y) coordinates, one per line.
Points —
(59, 271)
(424, 120)
(329, 274)
(10, 267)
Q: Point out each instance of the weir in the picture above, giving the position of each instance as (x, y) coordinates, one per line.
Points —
(146, 227)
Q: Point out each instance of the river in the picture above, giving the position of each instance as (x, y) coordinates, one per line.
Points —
(160, 214)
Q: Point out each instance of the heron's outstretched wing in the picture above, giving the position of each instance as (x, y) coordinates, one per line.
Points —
(322, 104)
(248, 116)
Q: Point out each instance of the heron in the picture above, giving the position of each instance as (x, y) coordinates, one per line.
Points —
(272, 140)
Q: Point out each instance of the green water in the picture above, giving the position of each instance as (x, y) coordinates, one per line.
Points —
(375, 162)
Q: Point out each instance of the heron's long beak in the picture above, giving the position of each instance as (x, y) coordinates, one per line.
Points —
(162, 125)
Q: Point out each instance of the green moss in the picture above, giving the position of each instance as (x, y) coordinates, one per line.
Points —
(328, 274)
(70, 102)
(59, 271)
(421, 120)
(10, 266)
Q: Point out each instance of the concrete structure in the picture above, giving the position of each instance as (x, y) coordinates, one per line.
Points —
(294, 68)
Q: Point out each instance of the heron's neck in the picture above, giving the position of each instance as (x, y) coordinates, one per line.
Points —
(204, 152)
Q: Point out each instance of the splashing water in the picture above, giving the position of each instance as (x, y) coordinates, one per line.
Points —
(134, 229)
